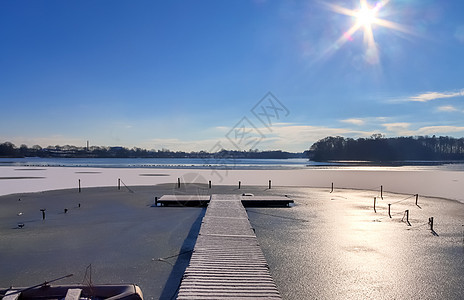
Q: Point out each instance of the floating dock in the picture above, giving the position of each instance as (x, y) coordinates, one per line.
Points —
(247, 200)
(227, 261)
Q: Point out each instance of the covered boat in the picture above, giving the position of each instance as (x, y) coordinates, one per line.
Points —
(73, 292)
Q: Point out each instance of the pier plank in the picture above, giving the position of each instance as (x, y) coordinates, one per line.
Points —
(227, 261)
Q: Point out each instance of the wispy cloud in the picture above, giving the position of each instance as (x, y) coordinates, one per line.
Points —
(222, 128)
(284, 136)
(403, 129)
(354, 121)
(45, 141)
(439, 130)
(301, 137)
(398, 128)
(447, 108)
(429, 96)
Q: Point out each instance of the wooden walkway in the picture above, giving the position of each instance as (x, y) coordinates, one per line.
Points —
(227, 261)
(203, 200)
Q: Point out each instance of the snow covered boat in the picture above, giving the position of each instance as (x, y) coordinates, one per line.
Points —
(73, 292)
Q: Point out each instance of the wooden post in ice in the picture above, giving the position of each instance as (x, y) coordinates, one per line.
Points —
(239, 184)
(462, 236)
(332, 188)
(381, 192)
(119, 183)
(389, 214)
(209, 184)
(79, 185)
(374, 204)
(407, 217)
(417, 198)
(178, 183)
(269, 184)
(431, 223)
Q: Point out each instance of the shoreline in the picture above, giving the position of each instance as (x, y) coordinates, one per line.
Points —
(432, 183)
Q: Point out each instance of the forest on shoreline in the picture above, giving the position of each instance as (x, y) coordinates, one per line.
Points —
(376, 148)
(381, 149)
(10, 150)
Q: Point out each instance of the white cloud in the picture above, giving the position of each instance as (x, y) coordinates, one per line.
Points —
(396, 126)
(403, 129)
(282, 136)
(285, 136)
(399, 128)
(381, 119)
(301, 137)
(429, 96)
(222, 128)
(447, 108)
(353, 121)
(429, 130)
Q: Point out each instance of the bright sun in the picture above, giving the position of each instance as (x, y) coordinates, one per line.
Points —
(366, 16)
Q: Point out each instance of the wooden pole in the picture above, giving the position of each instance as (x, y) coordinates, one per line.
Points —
(119, 183)
(462, 236)
(156, 201)
(381, 192)
(417, 198)
(389, 214)
(239, 184)
(79, 185)
(332, 188)
(209, 184)
(407, 217)
(269, 184)
(178, 183)
(431, 223)
(374, 204)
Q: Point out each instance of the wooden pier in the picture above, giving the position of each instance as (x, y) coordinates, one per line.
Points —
(184, 200)
(247, 200)
(227, 261)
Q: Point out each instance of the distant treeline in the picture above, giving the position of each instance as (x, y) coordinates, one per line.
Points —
(8, 149)
(378, 148)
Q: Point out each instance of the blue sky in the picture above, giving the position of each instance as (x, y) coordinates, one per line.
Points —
(192, 75)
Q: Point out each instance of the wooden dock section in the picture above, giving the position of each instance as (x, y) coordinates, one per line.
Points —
(184, 200)
(227, 261)
(247, 200)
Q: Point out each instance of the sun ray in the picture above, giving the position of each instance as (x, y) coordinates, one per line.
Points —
(339, 9)
(393, 25)
(365, 16)
(372, 53)
(343, 39)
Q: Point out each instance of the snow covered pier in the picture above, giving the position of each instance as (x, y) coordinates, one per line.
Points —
(227, 261)
(203, 200)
